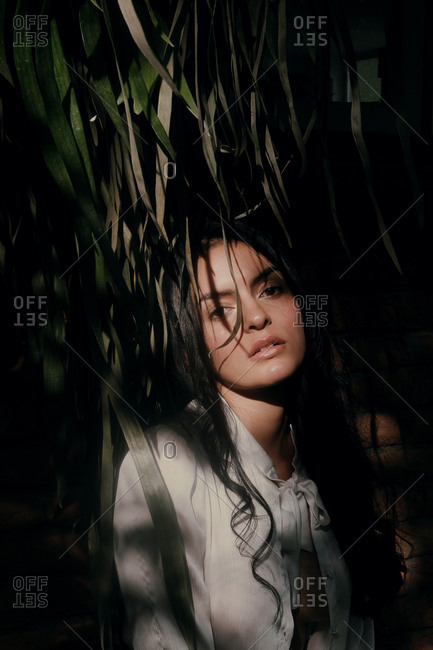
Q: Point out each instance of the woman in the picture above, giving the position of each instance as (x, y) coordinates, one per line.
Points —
(270, 486)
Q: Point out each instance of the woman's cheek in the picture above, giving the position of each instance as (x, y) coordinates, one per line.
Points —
(220, 355)
(211, 337)
(217, 333)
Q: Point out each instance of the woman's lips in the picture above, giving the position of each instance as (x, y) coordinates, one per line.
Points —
(267, 347)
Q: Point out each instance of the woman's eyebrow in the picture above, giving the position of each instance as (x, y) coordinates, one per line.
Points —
(214, 295)
(264, 274)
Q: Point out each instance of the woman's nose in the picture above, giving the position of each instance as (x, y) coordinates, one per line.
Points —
(254, 315)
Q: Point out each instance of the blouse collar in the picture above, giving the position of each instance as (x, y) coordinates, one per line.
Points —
(250, 449)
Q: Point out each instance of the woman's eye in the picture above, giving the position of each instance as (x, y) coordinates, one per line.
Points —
(218, 312)
(273, 290)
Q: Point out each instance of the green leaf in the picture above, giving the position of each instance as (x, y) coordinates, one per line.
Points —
(53, 369)
(164, 519)
(140, 94)
(138, 34)
(57, 121)
(101, 81)
(34, 103)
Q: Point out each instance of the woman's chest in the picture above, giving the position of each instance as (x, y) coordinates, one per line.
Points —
(262, 586)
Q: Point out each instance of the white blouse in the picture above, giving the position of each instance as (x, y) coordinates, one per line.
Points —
(233, 610)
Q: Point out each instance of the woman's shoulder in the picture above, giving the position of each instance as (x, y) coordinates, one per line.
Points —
(183, 467)
(177, 453)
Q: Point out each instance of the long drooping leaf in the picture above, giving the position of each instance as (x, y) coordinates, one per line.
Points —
(104, 541)
(62, 134)
(165, 103)
(34, 103)
(91, 30)
(270, 196)
(64, 84)
(60, 126)
(164, 517)
(356, 123)
(140, 95)
(284, 76)
(137, 31)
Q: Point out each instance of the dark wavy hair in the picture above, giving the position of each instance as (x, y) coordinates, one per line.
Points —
(321, 407)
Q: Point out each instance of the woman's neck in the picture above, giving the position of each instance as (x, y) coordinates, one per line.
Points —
(266, 418)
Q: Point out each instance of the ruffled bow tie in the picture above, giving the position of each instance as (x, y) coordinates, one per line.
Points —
(308, 488)
(299, 499)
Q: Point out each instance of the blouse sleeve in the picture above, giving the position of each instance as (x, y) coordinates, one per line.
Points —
(151, 624)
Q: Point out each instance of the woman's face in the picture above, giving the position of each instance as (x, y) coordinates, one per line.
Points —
(269, 345)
